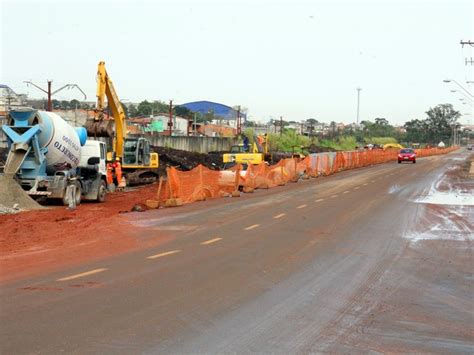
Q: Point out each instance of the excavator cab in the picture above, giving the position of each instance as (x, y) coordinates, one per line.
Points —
(136, 152)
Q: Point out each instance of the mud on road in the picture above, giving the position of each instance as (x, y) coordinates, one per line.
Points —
(38, 241)
(424, 299)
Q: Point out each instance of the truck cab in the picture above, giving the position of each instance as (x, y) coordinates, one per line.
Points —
(92, 170)
(94, 149)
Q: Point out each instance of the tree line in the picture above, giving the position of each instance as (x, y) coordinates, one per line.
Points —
(436, 127)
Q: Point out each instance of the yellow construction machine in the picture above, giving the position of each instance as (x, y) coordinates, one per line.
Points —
(254, 154)
(139, 164)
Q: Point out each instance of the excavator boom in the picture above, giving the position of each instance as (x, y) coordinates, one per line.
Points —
(135, 154)
(100, 125)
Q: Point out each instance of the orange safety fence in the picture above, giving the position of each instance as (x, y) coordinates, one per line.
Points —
(202, 183)
(199, 184)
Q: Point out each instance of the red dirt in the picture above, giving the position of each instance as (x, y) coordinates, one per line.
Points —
(37, 241)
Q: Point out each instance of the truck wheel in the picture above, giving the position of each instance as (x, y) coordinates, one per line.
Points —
(102, 191)
(78, 192)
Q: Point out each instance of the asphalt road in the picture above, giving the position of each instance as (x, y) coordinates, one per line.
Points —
(332, 264)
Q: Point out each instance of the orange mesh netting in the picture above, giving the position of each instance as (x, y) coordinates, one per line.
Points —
(202, 183)
(199, 184)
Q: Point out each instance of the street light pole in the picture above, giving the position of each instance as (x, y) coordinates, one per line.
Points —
(462, 93)
(358, 104)
(462, 87)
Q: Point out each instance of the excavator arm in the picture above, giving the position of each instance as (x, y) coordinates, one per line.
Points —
(134, 153)
(100, 126)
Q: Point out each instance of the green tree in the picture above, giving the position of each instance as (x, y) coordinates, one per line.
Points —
(132, 111)
(73, 104)
(182, 111)
(160, 107)
(440, 120)
(333, 129)
(56, 104)
(311, 122)
(381, 121)
(144, 108)
(416, 131)
(435, 128)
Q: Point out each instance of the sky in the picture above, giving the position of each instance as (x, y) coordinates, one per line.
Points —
(295, 59)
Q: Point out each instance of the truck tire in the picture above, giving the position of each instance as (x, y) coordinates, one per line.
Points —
(101, 192)
(78, 193)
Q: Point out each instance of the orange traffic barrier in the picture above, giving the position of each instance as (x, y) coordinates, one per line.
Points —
(201, 183)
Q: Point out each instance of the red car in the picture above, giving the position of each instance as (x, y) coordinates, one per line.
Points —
(406, 154)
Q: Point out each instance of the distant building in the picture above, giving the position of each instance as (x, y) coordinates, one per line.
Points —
(159, 124)
(9, 99)
(212, 130)
(221, 112)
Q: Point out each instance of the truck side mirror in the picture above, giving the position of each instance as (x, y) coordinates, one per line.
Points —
(93, 161)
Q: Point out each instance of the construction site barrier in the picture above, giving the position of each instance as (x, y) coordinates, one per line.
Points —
(201, 183)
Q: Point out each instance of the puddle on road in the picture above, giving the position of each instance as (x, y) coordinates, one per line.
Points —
(444, 223)
(448, 198)
(447, 212)
(394, 189)
(448, 195)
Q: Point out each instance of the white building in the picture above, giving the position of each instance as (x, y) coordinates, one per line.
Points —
(180, 125)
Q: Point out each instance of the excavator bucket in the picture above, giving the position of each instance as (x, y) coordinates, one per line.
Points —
(99, 128)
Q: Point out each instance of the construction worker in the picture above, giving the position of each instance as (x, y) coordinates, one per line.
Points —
(118, 174)
(118, 170)
(246, 142)
(110, 174)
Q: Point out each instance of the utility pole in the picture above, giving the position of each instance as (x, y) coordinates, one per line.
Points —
(170, 122)
(467, 43)
(239, 127)
(49, 93)
(358, 104)
(281, 125)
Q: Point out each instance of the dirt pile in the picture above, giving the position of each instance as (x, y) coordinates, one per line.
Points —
(184, 160)
(13, 198)
(318, 149)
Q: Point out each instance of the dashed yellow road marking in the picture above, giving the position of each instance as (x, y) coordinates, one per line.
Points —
(346, 192)
(301, 206)
(210, 241)
(252, 227)
(357, 188)
(365, 184)
(163, 254)
(87, 273)
(320, 199)
(279, 215)
(334, 196)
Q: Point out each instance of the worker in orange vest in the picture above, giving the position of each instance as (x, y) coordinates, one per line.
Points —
(118, 172)
(110, 174)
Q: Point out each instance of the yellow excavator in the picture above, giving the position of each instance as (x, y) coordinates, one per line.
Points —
(255, 153)
(139, 164)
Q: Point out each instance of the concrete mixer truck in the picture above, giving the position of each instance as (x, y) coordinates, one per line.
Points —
(48, 157)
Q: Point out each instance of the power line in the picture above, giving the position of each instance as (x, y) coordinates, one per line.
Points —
(49, 93)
